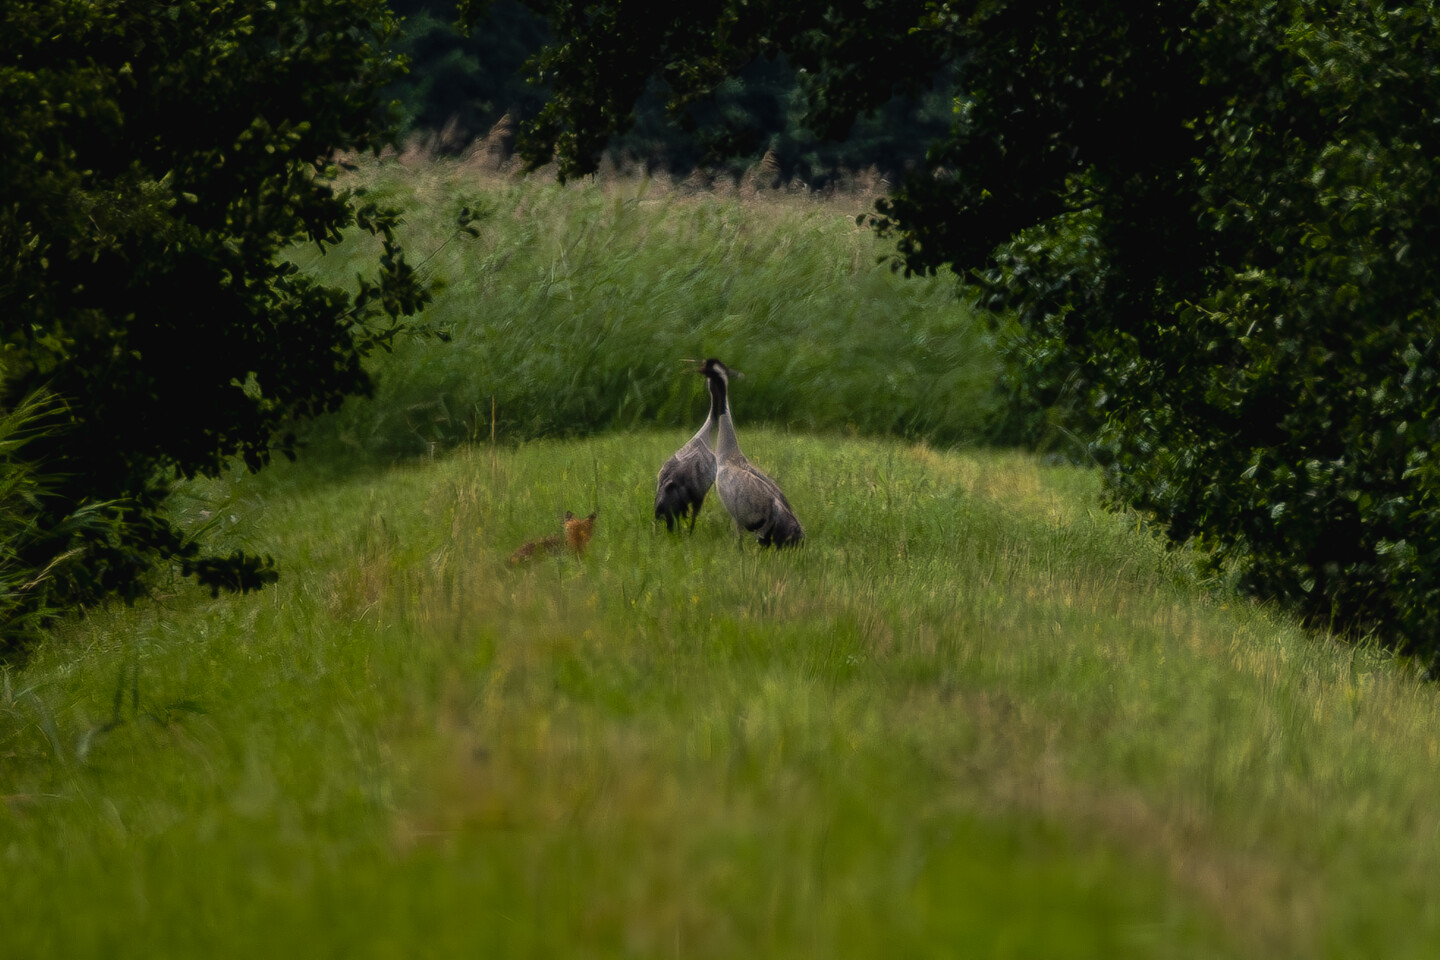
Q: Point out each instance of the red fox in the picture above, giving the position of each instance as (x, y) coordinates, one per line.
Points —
(578, 531)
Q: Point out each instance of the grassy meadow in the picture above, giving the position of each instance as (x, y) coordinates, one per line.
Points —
(974, 715)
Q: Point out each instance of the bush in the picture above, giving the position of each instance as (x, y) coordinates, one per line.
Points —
(1232, 259)
(158, 159)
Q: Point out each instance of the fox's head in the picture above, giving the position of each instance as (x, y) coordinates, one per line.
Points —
(578, 530)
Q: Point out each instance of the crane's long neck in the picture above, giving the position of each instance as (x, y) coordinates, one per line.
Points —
(717, 409)
(725, 444)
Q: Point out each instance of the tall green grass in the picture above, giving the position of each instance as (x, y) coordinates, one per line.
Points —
(974, 716)
(571, 311)
(36, 558)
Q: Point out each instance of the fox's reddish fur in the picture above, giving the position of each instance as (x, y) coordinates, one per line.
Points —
(578, 531)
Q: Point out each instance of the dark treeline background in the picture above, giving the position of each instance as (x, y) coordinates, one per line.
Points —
(460, 86)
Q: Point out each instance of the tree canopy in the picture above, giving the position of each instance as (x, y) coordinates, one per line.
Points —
(1212, 223)
(461, 84)
(157, 161)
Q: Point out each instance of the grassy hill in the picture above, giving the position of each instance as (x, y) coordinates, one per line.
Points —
(974, 716)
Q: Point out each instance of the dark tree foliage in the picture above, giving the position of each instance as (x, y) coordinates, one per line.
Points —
(157, 159)
(605, 57)
(461, 83)
(760, 113)
(1214, 224)
(466, 83)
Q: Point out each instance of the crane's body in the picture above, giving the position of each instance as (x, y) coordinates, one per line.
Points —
(687, 476)
(752, 499)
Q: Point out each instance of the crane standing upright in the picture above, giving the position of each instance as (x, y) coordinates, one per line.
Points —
(753, 500)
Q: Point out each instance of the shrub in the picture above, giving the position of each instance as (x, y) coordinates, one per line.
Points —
(157, 161)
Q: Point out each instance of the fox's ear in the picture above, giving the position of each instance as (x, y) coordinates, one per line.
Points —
(593, 515)
(569, 515)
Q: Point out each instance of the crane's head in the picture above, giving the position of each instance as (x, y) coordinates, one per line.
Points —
(715, 367)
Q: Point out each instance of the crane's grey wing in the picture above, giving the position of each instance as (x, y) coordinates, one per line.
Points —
(683, 482)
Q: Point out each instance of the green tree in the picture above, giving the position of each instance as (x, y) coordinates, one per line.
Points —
(1214, 224)
(156, 161)
(462, 82)
(604, 57)
(465, 84)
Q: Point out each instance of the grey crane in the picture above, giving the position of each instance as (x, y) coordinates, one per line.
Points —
(688, 475)
(753, 500)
